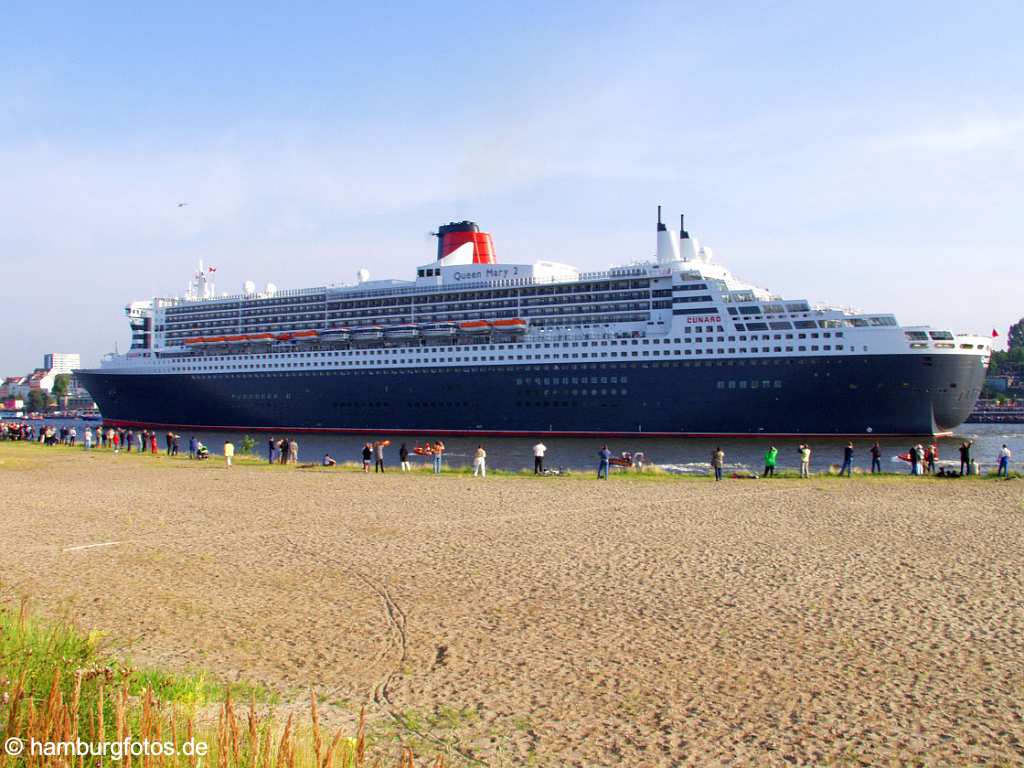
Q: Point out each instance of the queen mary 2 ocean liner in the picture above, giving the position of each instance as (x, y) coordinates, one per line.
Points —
(673, 345)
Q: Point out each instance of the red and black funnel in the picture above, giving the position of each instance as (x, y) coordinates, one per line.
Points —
(458, 233)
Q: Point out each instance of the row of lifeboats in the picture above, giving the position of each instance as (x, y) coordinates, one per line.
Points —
(511, 326)
(252, 338)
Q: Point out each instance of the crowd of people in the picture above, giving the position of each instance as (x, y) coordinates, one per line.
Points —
(921, 459)
(282, 451)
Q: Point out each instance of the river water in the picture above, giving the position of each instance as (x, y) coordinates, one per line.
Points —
(682, 455)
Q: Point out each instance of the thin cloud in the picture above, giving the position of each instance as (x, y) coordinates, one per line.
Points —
(965, 135)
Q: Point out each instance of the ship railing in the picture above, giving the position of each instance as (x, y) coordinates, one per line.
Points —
(411, 289)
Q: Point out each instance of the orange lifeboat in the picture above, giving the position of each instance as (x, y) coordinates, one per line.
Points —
(475, 327)
(511, 325)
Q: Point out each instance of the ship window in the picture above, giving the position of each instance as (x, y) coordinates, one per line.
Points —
(804, 324)
(941, 335)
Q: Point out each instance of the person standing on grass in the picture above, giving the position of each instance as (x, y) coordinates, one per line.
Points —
(718, 462)
(847, 461)
(192, 447)
(403, 457)
(933, 457)
(229, 452)
(293, 451)
(367, 455)
(438, 456)
(270, 450)
(805, 460)
(538, 458)
(378, 450)
(131, 439)
(1004, 462)
(282, 447)
(771, 456)
(876, 459)
(152, 443)
(480, 462)
(965, 458)
(88, 438)
(604, 457)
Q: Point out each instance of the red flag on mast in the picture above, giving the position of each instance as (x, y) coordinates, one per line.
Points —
(994, 333)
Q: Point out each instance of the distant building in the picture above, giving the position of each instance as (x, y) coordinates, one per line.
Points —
(42, 378)
(62, 362)
(14, 387)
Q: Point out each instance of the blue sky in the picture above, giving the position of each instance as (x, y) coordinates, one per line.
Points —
(868, 155)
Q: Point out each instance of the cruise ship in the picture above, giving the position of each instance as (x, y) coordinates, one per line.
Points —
(671, 345)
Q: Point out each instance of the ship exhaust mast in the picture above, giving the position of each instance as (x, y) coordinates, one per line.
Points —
(668, 246)
(689, 248)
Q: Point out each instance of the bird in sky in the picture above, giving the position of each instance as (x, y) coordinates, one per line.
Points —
(182, 205)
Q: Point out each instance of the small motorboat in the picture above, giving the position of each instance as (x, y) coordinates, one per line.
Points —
(403, 331)
(336, 334)
(368, 333)
(439, 330)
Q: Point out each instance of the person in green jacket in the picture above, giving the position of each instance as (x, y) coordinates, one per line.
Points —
(769, 461)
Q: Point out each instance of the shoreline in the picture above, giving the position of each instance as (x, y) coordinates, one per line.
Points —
(421, 466)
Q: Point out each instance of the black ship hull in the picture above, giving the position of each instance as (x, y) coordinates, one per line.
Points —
(838, 395)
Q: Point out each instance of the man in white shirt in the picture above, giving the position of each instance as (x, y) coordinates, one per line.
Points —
(538, 458)
(229, 452)
(1004, 462)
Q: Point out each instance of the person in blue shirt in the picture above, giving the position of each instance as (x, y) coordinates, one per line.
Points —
(193, 447)
(602, 468)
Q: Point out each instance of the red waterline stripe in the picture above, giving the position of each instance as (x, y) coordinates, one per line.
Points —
(505, 433)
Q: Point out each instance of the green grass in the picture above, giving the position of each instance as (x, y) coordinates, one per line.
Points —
(32, 651)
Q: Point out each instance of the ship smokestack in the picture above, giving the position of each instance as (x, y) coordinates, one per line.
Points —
(688, 247)
(456, 234)
(668, 246)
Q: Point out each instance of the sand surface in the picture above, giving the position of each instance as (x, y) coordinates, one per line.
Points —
(558, 621)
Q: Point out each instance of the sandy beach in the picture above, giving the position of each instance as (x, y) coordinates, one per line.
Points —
(556, 621)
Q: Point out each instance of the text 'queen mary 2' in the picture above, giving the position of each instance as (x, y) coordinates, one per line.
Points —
(671, 346)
